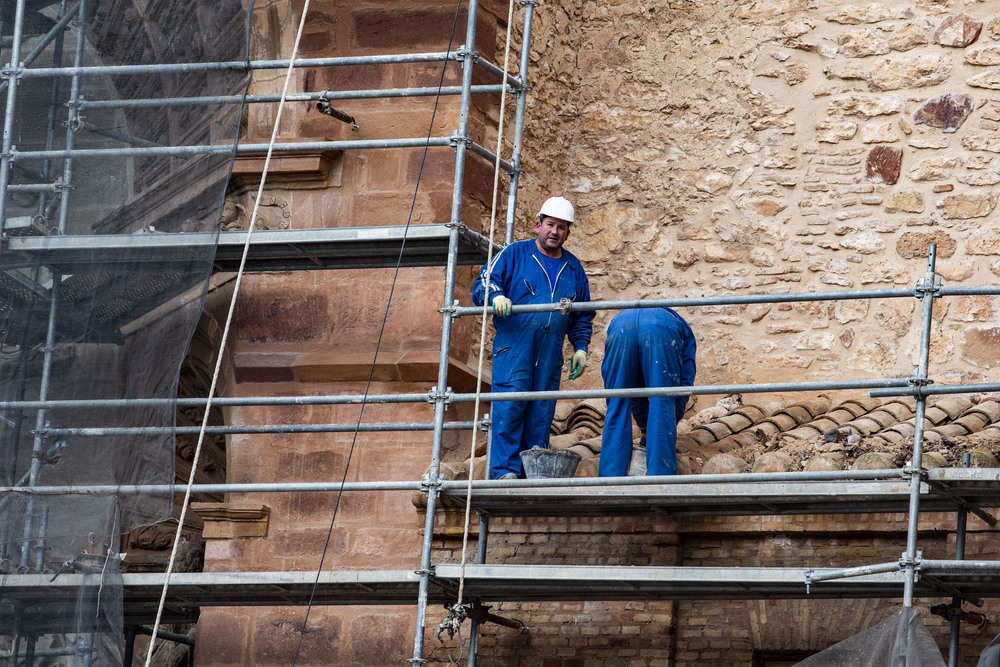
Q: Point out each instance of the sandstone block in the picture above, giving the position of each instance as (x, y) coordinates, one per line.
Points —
(954, 272)
(849, 311)
(958, 30)
(993, 27)
(933, 169)
(979, 178)
(984, 55)
(831, 131)
(984, 241)
(895, 314)
(907, 202)
(934, 143)
(867, 106)
(720, 252)
(933, 460)
(980, 458)
(866, 243)
(685, 257)
(975, 141)
(795, 73)
(853, 14)
(910, 72)
(824, 462)
(879, 133)
(980, 308)
(963, 207)
(989, 79)
(846, 69)
(908, 37)
(863, 43)
(946, 112)
(757, 9)
(979, 346)
(883, 164)
(916, 244)
(847, 337)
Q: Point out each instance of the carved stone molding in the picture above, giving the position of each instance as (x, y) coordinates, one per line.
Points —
(224, 521)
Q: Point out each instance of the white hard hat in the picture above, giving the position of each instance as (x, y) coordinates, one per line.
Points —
(557, 207)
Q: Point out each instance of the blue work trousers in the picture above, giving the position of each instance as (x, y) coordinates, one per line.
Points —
(650, 347)
(529, 360)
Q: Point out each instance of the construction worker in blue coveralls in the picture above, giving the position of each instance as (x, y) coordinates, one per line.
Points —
(645, 347)
(527, 348)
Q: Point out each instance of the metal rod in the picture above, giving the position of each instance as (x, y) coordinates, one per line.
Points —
(461, 485)
(250, 429)
(433, 474)
(680, 302)
(927, 294)
(242, 149)
(848, 572)
(237, 65)
(54, 33)
(371, 94)
(955, 610)
(515, 82)
(938, 390)
(8, 118)
(490, 156)
(72, 123)
(522, 98)
(118, 136)
(222, 401)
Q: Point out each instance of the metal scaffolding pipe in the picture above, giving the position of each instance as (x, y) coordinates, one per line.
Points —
(515, 82)
(938, 390)
(55, 32)
(381, 93)
(849, 572)
(680, 302)
(460, 485)
(94, 432)
(221, 401)
(490, 157)
(7, 141)
(522, 98)
(221, 149)
(955, 609)
(237, 65)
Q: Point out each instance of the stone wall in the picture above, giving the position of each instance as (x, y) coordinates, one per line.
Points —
(715, 148)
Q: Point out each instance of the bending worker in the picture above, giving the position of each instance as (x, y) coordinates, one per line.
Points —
(527, 348)
(647, 347)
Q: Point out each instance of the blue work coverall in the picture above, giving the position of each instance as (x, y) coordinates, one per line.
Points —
(648, 347)
(527, 349)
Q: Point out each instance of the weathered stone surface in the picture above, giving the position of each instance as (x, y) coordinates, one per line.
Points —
(908, 202)
(795, 73)
(958, 30)
(984, 55)
(981, 142)
(979, 308)
(895, 314)
(867, 243)
(993, 27)
(863, 43)
(966, 206)
(757, 9)
(874, 461)
(980, 344)
(910, 72)
(824, 462)
(935, 143)
(849, 69)
(879, 133)
(772, 462)
(947, 112)
(989, 79)
(955, 272)
(933, 460)
(766, 206)
(980, 458)
(684, 257)
(854, 14)
(850, 311)
(867, 106)
(724, 464)
(984, 241)
(933, 169)
(915, 244)
(831, 131)
(908, 37)
(979, 178)
(883, 164)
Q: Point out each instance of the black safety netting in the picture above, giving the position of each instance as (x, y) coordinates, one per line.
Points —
(109, 233)
(902, 640)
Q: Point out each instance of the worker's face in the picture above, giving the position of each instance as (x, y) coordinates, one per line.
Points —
(552, 233)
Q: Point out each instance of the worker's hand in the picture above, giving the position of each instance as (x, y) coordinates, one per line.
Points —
(501, 306)
(577, 364)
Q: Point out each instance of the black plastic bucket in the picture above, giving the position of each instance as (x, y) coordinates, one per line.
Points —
(549, 463)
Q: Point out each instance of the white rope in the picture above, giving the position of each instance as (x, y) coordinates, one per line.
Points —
(486, 293)
(225, 331)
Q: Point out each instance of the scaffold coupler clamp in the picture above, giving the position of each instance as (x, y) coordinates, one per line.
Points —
(525, 3)
(449, 310)
(809, 578)
(434, 396)
(463, 52)
(927, 287)
(453, 621)
(905, 562)
(485, 423)
(455, 138)
(565, 305)
(426, 483)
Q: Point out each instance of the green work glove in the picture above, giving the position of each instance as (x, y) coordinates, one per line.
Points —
(577, 364)
(501, 306)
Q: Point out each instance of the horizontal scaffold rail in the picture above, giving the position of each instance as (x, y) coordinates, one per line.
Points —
(251, 65)
(39, 597)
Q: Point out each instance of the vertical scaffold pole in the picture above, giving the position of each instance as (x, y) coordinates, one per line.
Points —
(74, 120)
(440, 392)
(926, 289)
(14, 72)
(955, 610)
(481, 543)
(522, 96)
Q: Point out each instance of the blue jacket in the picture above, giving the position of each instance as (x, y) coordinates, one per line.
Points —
(518, 273)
